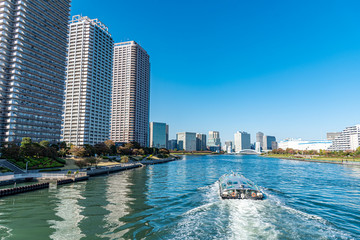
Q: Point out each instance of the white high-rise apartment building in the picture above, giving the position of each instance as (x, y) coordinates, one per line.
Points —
(242, 141)
(131, 93)
(348, 139)
(33, 40)
(88, 85)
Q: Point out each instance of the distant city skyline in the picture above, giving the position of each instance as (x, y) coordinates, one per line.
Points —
(236, 66)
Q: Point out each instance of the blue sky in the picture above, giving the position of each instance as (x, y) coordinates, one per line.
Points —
(286, 68)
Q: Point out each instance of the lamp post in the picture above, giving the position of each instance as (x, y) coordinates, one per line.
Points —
(27, 166)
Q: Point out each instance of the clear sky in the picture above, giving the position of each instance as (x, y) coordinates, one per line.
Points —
(286, 68)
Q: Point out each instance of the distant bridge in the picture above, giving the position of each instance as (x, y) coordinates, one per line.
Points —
(248, 152)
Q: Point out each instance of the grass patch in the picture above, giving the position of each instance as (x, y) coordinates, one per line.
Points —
(38, 163)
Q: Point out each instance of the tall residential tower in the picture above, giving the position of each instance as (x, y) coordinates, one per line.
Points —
(131, 93)
(33, 41)
(88, 84)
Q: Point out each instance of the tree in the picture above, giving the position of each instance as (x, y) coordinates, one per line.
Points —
(357, 151)
(124, 159)
(132, 145)
(45, 143)
(78, 151)
(62, 145)
(141, 151)
(123, 151)
(111, 145)
(101, 149)
(90, 150)
(164, 151)
(11, 151)
(135, 151)
(27, 149)
(94, 160)
(62, 152)
(81, 163)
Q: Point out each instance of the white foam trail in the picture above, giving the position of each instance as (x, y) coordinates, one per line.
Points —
(249, 219)
(5, 232)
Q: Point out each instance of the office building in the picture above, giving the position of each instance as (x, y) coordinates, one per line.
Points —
(331, 136)
(159, 135)
(200, 142)
(274, 145)
(242, 141)
(131, 94)
(88, 83)
(299, 144)
(214, 140)
(268, 142)
(186, 141)
(172, 144)
(349, 139)
(260, 139)
(32, 68)
(228, 146)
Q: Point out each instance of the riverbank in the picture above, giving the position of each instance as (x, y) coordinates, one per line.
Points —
(194, 153)
(64, 179)
(318, 159)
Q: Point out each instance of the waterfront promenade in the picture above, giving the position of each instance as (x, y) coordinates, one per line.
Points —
(64, 177)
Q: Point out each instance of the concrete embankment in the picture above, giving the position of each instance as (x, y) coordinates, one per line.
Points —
(66, 179)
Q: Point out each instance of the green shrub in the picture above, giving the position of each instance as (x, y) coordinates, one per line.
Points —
(60, 160)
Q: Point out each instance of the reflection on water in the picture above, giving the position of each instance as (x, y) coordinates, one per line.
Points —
(117, 195)
(68, 209)
(180, 200)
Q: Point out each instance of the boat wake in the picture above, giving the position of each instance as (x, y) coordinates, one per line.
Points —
(250, 219)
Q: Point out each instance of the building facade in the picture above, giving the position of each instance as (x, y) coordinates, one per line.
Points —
(200, 142)
(299, 144)
(268, 142)
(131, 94)
(260, 139)
(242, 141)
(159, 135)
(331, 136)
(32, 68)
(228, 146)
(214, 140)
(88, 84)
(172, 144)
(186, 141)
(349, 139)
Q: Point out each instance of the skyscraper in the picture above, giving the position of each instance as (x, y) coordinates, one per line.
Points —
(186, 141)
(242, 141)
(214, 138)
(32, 68)
(131, 93)
(159, 135)
(260, 139)
(268, 142)
(88, 84)
(200, 142)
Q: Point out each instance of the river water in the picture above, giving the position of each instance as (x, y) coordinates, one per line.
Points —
(180, 200)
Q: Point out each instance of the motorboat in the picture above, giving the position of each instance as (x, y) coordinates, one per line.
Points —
(236, 186)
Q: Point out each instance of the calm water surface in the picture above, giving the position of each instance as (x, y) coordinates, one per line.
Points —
(180, 200)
